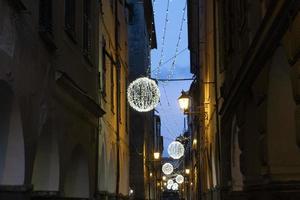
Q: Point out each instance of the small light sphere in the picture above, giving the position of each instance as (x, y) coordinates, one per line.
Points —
(179, 179)
(167, 168)
(169, 187)
(143, 94)
(170, 182)
(175, 186)
(176, 150)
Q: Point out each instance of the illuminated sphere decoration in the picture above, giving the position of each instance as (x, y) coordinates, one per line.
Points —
(175, 186)
(167, 168)
(170, 182)
(179, 179)
(143, 94)
(176, 150)
(169, 187)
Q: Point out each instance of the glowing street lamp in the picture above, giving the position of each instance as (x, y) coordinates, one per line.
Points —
(184, 101)
(130, 192)
(194, 141)
(187, 171)
(164, 178)
(156, 155)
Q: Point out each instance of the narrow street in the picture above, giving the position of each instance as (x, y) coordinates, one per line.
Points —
(149, 100)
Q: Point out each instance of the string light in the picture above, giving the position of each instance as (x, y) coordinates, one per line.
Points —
(163, 40)
(143, 94)
(172, 69)
(176, 150)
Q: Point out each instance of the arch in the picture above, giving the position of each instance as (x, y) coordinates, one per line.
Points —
(12, 152)
(236, 174)
(77, 182)
(111, 182)
(102, 169)
(46, 165)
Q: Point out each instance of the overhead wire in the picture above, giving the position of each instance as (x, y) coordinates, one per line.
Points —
(171, 74)
(170, 59)
(172, 69)
(163, 40)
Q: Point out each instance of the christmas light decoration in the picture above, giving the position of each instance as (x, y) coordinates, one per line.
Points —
(179, 179)
(167, 168)
(175, 186)
(169, 187)
(170, 182)
(176, 150)
(143, 94)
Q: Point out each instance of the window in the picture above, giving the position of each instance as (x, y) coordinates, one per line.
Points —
(112, 86)
(70, 17)
(104, 71)
(87, 43)
(45, 16)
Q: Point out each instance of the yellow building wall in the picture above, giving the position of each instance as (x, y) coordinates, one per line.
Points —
(114, 122)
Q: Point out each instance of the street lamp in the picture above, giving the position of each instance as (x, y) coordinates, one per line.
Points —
(130, 192)
(156, 155)
(194, 141)
(184, 104)
(187, 171)
(184, 101)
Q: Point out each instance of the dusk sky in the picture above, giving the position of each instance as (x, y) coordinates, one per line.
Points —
(171, 116)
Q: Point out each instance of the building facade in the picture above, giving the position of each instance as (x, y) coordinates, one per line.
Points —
(64, 64)
(245, 56)
(113, 72)
(142, 39)
(50, 106)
